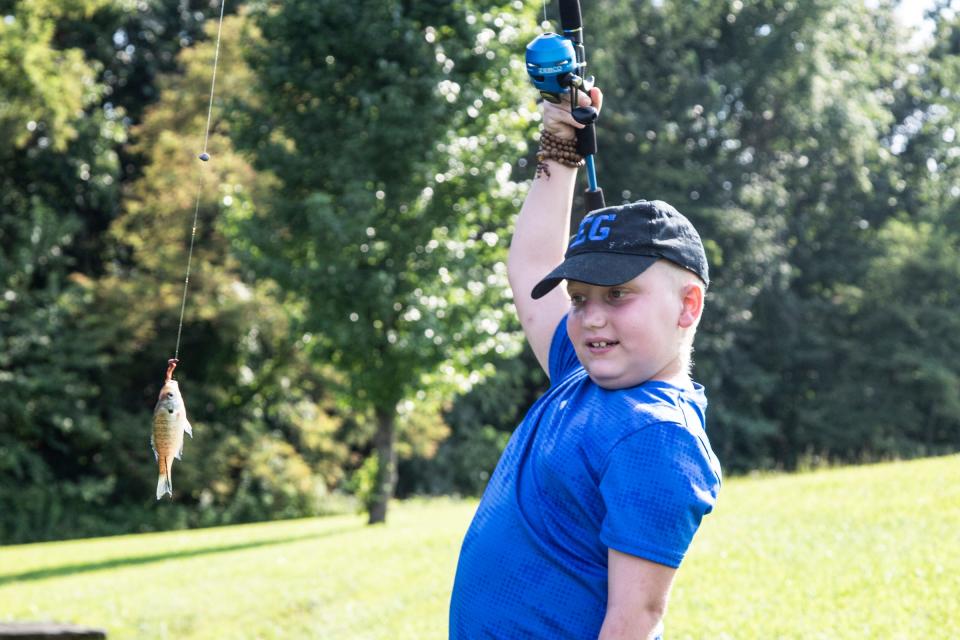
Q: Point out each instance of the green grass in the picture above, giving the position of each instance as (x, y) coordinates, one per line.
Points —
(853, 553)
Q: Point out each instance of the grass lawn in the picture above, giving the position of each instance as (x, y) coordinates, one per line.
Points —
(854, 553)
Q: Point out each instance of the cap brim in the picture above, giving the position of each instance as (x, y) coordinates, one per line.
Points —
(602, 269)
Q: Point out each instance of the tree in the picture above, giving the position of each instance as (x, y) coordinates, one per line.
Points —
(765, 123)
(56, 165)
(263, 447)
(391, 142)
(90, 293)
(480, 423)
(899, 350)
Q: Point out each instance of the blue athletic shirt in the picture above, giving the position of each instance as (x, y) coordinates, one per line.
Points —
(588, 469)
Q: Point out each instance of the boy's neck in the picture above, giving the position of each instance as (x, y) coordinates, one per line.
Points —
(674, 374)
(679, 380)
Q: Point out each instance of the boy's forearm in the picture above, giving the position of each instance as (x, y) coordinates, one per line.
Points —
(645, 625)
(543, 226)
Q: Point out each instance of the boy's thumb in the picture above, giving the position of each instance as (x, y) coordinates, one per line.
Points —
(596, 98)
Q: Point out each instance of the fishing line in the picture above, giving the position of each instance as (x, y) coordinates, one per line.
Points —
(205, 157)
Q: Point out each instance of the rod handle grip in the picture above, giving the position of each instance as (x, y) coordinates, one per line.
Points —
(570, 16)
(594, 199)
(587, 140)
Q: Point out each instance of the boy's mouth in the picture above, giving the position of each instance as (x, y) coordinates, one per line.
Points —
(602, 344)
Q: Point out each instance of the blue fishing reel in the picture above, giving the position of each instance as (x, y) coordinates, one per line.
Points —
(555, 69)
(556, 65)
(550, 58)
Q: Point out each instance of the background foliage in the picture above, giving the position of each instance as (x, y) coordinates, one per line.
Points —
(348, 301)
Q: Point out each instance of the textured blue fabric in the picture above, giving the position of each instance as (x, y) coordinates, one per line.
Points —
(587, 469)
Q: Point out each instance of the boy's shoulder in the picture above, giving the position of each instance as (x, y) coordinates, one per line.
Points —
(659, 417)
(656, 402)
(604, 418)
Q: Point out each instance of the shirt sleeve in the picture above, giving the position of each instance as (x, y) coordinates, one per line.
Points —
(562, 359)
(657, 485)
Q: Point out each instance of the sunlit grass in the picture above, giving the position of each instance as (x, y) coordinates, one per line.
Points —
(319, 578)
(861, 553)
(868, 552)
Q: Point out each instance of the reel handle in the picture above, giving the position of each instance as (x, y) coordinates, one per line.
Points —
(585, 115)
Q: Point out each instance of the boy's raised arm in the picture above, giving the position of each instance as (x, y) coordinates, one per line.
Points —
(541, 233)
(538, 244)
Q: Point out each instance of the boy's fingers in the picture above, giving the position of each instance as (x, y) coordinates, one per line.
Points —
(560, 114)
(557, 116)
(596, 96)
(593, 98)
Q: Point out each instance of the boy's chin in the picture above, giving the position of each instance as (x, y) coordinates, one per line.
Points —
(612, 383)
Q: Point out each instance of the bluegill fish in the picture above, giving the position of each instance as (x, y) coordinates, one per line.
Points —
(169, 424)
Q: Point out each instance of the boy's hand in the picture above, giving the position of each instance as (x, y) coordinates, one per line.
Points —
(557, 119)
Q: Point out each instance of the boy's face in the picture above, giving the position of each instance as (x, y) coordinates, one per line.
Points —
(628, 333)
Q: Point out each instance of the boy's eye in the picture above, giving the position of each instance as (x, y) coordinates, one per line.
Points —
(577, 299)
(618, 294)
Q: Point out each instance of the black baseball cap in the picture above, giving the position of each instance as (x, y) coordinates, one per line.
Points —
(616, 244)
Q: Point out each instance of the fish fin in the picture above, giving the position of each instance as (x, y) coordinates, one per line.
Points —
(164, 486)
(179, 455)
(187, 427)
(153, 445)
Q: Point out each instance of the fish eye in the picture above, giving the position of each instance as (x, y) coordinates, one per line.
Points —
(169, 395)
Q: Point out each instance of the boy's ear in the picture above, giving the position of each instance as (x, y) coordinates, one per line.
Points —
(691, 298)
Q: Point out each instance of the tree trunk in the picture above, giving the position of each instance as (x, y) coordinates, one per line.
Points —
(384, 443)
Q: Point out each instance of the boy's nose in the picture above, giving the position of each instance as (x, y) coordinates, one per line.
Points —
(593, 315)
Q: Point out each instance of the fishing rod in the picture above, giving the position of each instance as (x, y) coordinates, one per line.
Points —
(556, 65)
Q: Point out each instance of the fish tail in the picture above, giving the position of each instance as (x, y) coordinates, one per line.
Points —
(164, 486)
(165, 481)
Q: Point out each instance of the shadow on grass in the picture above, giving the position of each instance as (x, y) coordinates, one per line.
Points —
(69, 569)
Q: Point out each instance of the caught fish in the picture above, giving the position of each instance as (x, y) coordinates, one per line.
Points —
(169, 424)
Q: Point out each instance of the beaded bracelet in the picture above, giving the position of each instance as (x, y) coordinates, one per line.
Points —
(556, 148)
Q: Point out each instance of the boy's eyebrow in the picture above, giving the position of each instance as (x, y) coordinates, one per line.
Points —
(572, 286)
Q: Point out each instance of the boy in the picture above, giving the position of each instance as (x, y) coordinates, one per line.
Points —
(602, 486)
